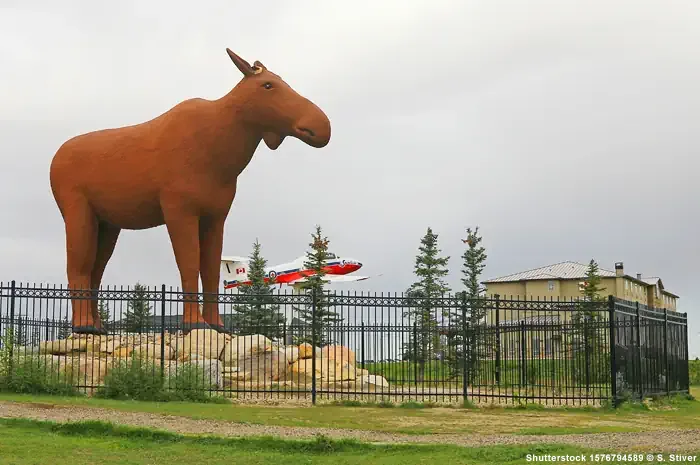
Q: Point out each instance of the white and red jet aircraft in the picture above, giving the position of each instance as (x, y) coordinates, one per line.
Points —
(234, 271)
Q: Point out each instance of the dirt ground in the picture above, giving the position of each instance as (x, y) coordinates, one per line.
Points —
(651, 441)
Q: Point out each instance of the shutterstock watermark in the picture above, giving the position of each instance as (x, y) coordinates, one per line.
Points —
(616, 458)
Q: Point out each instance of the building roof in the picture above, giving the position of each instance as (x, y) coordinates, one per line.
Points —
(563, 270)
(571, 270)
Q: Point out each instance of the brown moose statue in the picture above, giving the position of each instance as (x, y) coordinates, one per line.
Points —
(179, 169)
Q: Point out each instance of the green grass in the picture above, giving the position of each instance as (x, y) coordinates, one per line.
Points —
(545, 372)
(417, 418)
(694, 371)
(30, 442)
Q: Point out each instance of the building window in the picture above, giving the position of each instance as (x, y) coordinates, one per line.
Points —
(535, 347)
(550, 284)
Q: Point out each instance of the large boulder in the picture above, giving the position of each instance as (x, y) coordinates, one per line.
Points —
(241, 347)
(122, 352)
(80, 369)
(152, 351)
(372, 383)
(63, 346)
(306, 351)
(208, 343)
(340, 353)
(301, 371)
(292, 353)
(269, 366)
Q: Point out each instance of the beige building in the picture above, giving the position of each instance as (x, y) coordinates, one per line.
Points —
(563, 281)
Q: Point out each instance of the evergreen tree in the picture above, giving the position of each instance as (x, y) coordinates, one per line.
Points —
(103, 312)
(589, 328)
(138, 311)
(472, 307)
(430, 269)
(20, 333)
(261, 315)
(314, 287)
(65, 329)
(591, 288)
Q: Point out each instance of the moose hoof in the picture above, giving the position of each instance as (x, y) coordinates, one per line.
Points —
(89, 330)
(187, 327)
(220, 329)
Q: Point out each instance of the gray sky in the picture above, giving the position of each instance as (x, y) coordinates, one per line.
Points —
(565, 130)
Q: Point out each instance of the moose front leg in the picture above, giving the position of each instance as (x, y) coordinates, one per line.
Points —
(211, 239)
(183, 229)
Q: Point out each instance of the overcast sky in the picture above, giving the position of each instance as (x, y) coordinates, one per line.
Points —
(564, 130)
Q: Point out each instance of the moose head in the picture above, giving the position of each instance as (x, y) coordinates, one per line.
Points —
(277, 110)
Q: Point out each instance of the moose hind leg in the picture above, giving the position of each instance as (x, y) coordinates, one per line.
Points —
(81, 247)
(106, 241)
(211, 238)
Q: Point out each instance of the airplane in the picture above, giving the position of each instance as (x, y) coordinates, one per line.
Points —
(234, 270)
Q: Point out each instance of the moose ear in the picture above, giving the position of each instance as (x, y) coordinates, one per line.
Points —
(259, 67)
(242, 65)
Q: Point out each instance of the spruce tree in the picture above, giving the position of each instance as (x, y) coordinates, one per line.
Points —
(261, 314)
(138, 311)
(473, 308)
(314, 287)
(589, 328)
(430, 269)
(64, 330)
(103, 311)
(592, 286)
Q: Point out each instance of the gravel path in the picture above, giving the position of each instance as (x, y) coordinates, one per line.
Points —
(653, 441)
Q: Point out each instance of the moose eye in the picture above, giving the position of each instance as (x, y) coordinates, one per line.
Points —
(267, 85)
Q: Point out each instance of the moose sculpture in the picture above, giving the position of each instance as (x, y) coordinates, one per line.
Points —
(179, 169)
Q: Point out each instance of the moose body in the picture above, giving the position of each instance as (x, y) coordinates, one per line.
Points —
(179, 169)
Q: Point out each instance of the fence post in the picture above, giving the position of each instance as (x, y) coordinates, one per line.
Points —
(415, 354)
(639, 352)
(47, 329)
(523, 355)
(613, 360)
(668, 372)
(465, 352)
(162, 330)
(313, 345)
(362, 343)
(12, 321)
(587, 355)
(687, 356)
(498, 340)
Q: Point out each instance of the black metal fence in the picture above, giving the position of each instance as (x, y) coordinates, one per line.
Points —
(374, 347)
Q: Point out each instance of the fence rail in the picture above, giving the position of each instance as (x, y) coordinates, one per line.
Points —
(391, 347)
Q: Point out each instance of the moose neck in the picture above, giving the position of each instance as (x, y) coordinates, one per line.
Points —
(235, 139)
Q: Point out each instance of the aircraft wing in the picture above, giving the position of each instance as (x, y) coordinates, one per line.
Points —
(234, 258)
(330, 278)
(342, 278)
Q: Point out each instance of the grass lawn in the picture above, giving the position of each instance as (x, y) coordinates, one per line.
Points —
(27, 442)
(673, 415)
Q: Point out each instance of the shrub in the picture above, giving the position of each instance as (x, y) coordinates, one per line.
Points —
(33, 375)
(135, 378)
(189, 383)
(139, 378)
(30, 374)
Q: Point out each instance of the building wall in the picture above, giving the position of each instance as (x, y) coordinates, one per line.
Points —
(620, 286)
